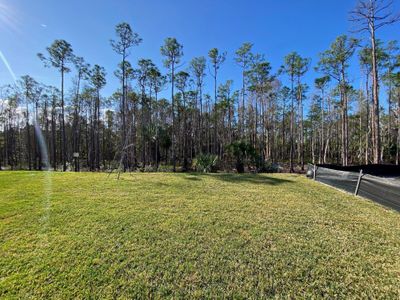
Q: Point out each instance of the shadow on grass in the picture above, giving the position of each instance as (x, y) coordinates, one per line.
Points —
(239, 178)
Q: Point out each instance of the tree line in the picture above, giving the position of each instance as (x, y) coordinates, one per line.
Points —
(262, 123)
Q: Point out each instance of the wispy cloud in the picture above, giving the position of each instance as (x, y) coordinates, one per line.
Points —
(43, 25)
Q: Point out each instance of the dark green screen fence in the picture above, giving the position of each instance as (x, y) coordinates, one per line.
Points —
(384, 189)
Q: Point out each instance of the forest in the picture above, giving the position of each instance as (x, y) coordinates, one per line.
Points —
(263, 126)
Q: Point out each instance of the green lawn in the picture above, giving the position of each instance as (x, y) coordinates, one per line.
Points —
(67, 235)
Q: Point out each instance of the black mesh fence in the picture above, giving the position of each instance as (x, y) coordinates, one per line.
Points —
(376, 170)
(384, 189)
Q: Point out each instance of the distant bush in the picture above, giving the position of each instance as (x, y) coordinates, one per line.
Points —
(150, 169)
(266, 167)
(165, 169)
(243, 153)
(205, 163)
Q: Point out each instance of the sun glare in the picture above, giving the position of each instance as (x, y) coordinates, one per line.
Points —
(8, 18)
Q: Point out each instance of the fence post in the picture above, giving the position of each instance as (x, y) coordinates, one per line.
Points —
(358, 183)
(315, 172)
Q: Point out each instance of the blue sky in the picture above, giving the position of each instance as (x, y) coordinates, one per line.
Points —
(275, 27)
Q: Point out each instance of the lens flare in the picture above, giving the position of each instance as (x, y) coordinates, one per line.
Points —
(47, 184)
(5, 61)
(8, 17)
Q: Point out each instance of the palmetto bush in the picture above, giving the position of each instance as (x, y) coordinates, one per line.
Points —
(242, 153)
(205, 163)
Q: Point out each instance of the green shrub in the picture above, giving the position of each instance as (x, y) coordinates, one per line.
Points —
(164, 168)
(150, 169)
(242, 152)
(266, 167)
(205, 163)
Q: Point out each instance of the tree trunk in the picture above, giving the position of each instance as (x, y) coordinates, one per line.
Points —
(375, 90)
(292, 127)
(28, 138)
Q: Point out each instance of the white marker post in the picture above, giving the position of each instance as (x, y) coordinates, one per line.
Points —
(358, 183)
(315, 172)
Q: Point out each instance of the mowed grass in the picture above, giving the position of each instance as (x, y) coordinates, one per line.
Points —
(67, 235)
